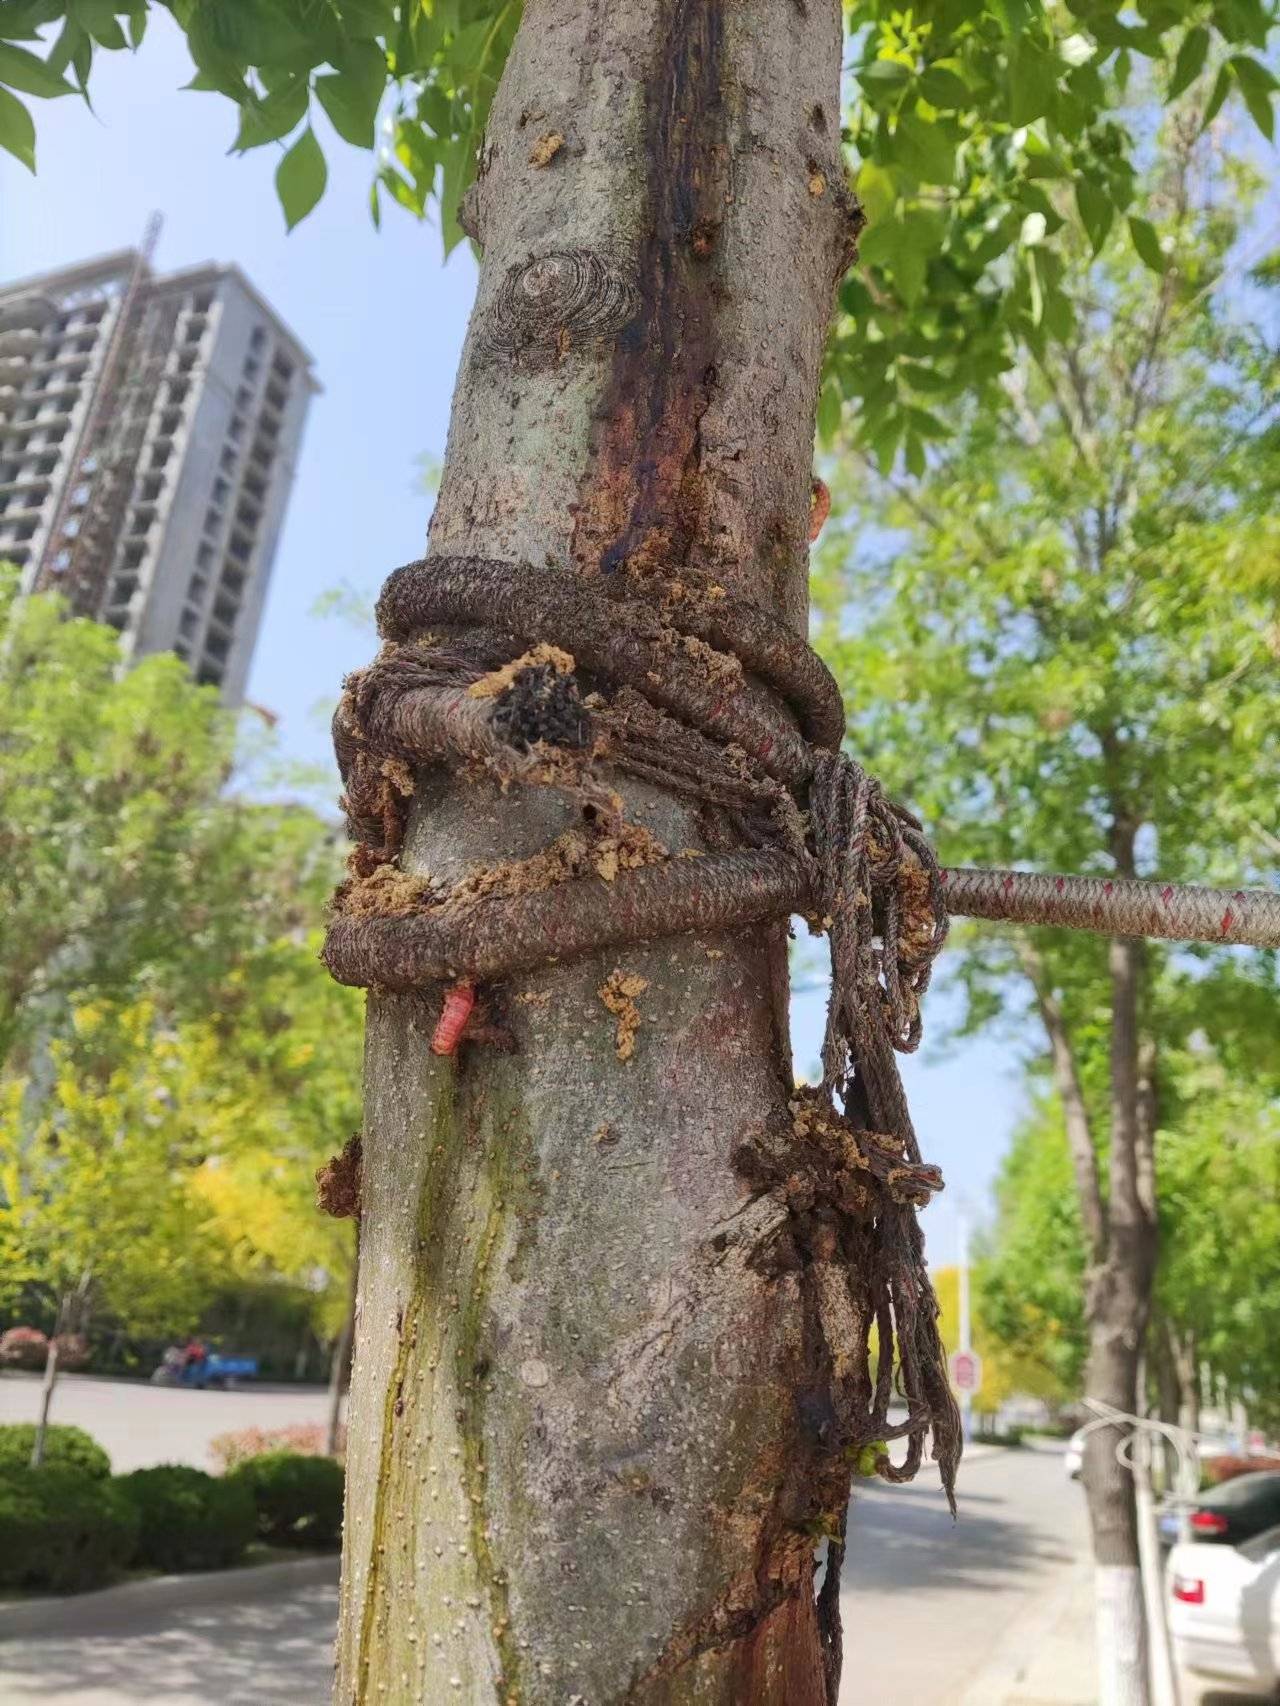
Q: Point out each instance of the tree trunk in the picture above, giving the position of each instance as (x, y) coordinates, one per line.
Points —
(47, 1384)
(1168, 1388)
(1119, 1306)
(585, 1455)
(1184, 1350)
(340, 1362)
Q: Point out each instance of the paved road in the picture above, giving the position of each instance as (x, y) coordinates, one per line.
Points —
(139, 1424)
(251, 1652)
(929, 1603)
(936, 1613)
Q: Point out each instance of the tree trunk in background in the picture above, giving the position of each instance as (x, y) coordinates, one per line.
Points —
(1118, 1310)
(1168, 1389)
(585, 1428)
(1184, 1350)
(47, 1384)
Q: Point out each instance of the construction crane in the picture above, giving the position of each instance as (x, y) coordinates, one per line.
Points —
(81, 543)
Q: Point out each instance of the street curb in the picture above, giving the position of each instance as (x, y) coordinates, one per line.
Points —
(97, 1612)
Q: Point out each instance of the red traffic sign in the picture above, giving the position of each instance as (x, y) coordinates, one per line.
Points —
(966, 1371)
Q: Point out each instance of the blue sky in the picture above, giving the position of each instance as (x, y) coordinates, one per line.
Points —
(385, 320)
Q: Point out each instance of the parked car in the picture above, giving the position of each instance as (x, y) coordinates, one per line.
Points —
(1238, 1510)
(1073, 1462)
(1224, 1611)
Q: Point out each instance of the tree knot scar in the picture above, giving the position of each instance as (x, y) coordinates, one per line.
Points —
(619, 992)
(551, 304)
(338, 1182)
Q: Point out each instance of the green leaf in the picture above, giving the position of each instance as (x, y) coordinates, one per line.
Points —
(913, 455)
(943, 89)
(82, 62)
(884, 80)
(1033, 78)
(877, 190)
(1146, 242)
(69, 38)
(301, 177)
(1257, 85)
(1096, 211)
(884, 441)
(1221, 89)
(408, 197)
(458, 160)
(17, 131)
(1261, 110)
(437, 109)
(367, 17)
(1190, 62)
(1250, 74)
(351, 95)
(98, 17)
(275, 116)
(137, 24)
(925, 149)
(22, 70)
(829, 411)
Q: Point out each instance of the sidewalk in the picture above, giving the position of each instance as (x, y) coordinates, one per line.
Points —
(1047, 1656)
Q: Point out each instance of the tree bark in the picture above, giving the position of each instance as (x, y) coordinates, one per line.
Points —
(1120, 1304)
(585, 1456)
(340, 1362)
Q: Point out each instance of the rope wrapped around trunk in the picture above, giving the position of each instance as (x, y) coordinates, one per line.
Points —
(720, 703)
(546, 678)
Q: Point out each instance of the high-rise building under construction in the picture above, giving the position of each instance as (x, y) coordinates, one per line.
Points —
(149, 427)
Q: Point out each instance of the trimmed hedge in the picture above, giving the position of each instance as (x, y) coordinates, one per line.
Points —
(64, 1448)
(298, 1499)
(188, 1520)
(63, 1530)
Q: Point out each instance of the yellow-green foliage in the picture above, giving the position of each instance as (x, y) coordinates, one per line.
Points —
(174, 1064)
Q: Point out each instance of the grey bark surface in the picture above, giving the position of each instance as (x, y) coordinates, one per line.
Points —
(585, 1445)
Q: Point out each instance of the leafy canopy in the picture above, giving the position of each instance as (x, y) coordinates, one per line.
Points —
(1218, 1163)
(174, 1064)
(1060, 645)
(125, 869)
(984, 137)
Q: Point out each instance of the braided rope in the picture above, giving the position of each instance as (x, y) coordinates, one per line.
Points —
(718, 702)
(1175, 912)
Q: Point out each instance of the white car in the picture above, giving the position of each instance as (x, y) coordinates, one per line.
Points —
(1073, 1461)
(1224, 1611)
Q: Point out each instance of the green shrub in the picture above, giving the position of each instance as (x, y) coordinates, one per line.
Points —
(188, 1520)
(64, 1448)
(298, 1499)
(62, 1529)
